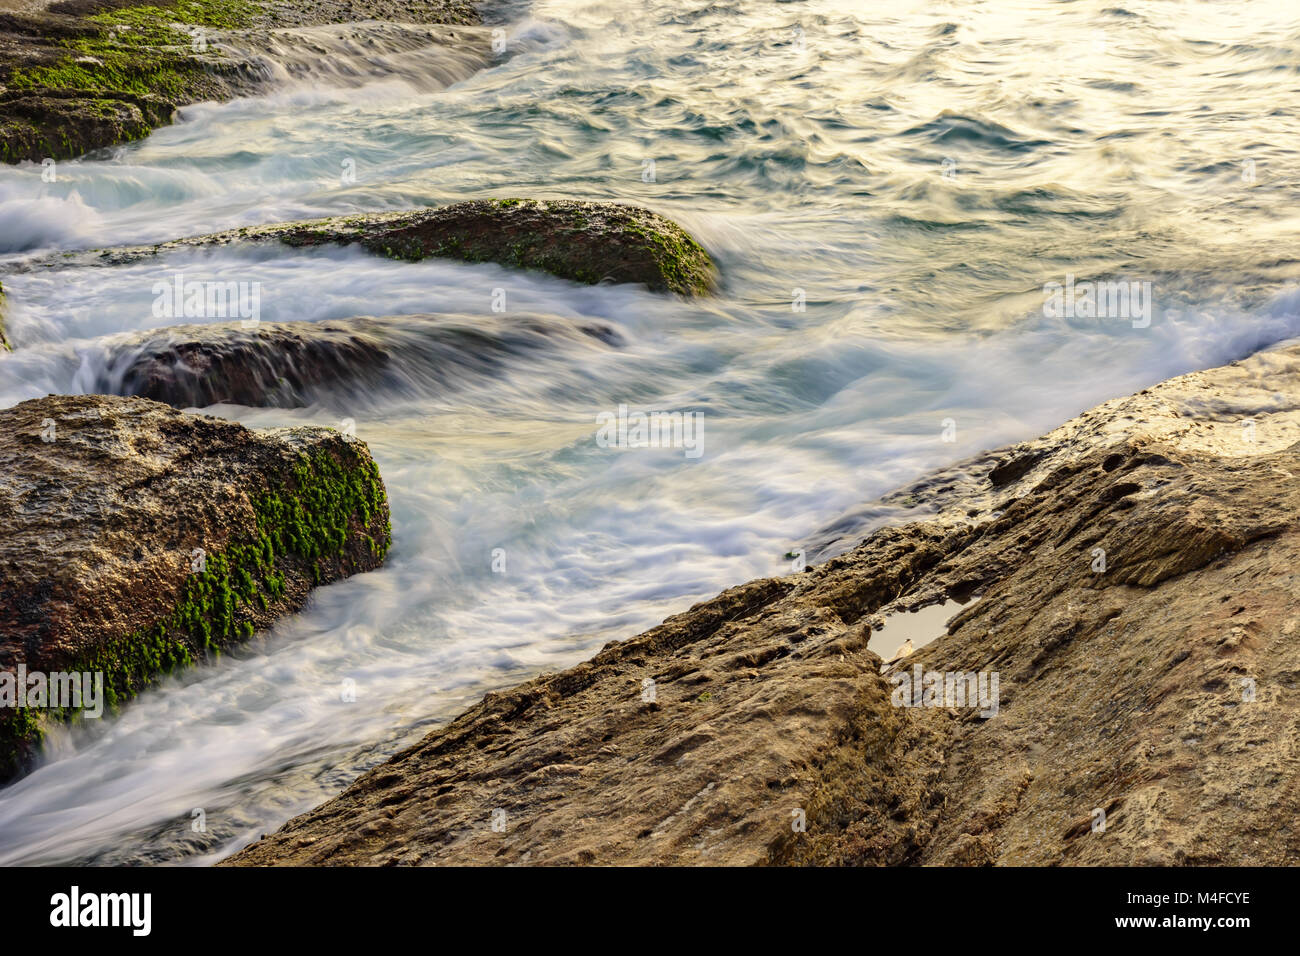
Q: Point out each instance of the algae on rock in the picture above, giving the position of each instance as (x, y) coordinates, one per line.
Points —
(588, 242)
(139, 539)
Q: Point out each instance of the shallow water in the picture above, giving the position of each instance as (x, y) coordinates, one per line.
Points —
(919, 173)
(921, 627)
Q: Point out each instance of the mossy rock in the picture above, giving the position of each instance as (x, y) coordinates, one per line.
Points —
(44, 123)
(86, 74)
(588, 242)
(138, 539)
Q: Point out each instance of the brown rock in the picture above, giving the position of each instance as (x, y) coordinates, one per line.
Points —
(137, 539)
(1158, 695)
(294, 364)
(589, 242)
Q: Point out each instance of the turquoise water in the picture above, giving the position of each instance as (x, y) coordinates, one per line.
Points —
(920, 172)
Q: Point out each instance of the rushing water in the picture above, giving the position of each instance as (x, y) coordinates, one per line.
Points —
(918, 170)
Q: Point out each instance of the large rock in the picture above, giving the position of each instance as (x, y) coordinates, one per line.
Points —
(42, 122)
(83, 75)
(137, 539)
(589, 242)
(1136, 597)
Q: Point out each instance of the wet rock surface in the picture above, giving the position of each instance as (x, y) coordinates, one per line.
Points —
(1135, 594)
(138, 539)
(274, 365)
(58, 124)
(588, 242)
(295, 364)
(79, 75)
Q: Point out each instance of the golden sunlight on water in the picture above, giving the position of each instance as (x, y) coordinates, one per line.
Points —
(886, 188)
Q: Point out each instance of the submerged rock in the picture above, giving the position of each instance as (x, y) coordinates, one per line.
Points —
(294, 364)
(1130, 662)
(276, 364)
(137, 539)
(589, 242)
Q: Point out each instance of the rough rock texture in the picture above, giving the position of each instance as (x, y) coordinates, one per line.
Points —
(588, 242)
(83, 74)
(1159, 688)
(276, 364)
(137, 538)
(60, 124)
(294, 364)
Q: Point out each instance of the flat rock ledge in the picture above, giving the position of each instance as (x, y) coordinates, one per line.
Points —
(587, 242)
(80, 75)
(138, 539)
(1134, 594)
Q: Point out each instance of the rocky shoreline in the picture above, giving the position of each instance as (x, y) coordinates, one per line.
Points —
(1133, 583)
(79, 75)
(1126, 620)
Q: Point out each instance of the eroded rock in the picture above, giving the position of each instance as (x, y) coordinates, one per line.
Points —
(137, 538)
(1135, 597)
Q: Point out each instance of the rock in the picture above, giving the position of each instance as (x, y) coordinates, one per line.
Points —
(280, 365)
(137, 539)
(589, 242)
(1155, 691)
(85, 74)
(294, 364)
(77, 77)
(60, 124)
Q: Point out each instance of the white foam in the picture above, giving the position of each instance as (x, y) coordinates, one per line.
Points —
(820, 173)
(34, 217)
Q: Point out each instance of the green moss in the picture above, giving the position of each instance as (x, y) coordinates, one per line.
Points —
(305, 522)
(685, 265)
(100, 67)
(18, 728)
(139, 49)
(219, 14)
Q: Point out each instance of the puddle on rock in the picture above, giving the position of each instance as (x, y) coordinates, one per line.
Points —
(920, 627)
